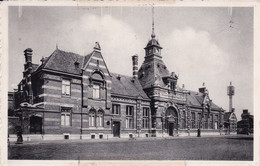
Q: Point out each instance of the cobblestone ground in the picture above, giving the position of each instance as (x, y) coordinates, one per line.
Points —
(204, 148)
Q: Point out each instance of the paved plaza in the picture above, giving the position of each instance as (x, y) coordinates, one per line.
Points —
(189, 148)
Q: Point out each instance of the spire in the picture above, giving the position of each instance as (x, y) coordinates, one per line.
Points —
(153, 34)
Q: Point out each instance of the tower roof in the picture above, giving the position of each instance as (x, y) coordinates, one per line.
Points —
(153, 42)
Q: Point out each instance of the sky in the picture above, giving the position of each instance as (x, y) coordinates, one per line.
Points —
(199, 43)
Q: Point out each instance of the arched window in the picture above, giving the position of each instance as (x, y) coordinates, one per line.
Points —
(97, 81)
(100, 118)
(92, 116)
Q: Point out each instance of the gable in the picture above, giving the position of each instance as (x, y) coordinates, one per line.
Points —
(95, 62)
(197, 99)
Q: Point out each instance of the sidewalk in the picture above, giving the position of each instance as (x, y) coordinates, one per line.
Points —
(120, 139)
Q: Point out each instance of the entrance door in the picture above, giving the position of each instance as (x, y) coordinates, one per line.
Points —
(35, 125)
(116, 129)
(171, 128)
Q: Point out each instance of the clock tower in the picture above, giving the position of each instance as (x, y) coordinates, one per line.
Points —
(153, 47)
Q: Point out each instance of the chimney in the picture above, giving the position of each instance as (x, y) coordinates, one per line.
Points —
(135, 66)
(203, 88)
(28, 59)
(245, 111)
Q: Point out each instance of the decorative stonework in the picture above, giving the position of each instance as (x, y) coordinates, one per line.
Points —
(123, 100)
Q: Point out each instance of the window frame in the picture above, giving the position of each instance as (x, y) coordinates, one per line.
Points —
(206, 121)
(145, 119)
(193, 120)
(129, 117)
(118, 108)
(64, 90)
(66, 111)
(100, 118)
(94, 92)
(216, 121)
(92, 118)
(184, 126)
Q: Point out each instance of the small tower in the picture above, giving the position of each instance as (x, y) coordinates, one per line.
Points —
(153, 48)
(230, 93)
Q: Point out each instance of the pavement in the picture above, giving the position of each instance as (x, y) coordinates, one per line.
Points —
(124, 139)
(225, 147)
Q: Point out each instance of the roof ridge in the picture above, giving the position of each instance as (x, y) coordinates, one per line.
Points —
(69, 52)
(120, 74)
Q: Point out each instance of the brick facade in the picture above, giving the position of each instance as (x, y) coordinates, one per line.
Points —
(77, 97)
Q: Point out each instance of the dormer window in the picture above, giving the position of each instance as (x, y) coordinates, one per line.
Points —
(76, 64)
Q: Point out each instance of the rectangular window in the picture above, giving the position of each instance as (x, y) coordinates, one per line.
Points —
(96, 91)
(100, 119)
(145, 118)
(184, 120)
(65, 116)
(211, 121)
(65, 87)
(193, 120)
(129, 116)
(216, 122)
(116, 109)
(92, 120)
(129, 110)
(206, 121)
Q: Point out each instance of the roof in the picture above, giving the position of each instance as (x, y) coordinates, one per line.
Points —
(127, 86)
(34, 67)
(196, 99)
(227, 115)
(64, 61)
(153, 73)
(86, 59)
(153, 42)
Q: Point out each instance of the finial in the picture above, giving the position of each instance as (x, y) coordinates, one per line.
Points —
(57, 46)
(153, 34)
(183, 86)
(203, 84)
(42, 60)
(230, 83)
(97, 47)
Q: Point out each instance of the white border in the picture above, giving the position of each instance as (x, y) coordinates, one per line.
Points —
(166, 3)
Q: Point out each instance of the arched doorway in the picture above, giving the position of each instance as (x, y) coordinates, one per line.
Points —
(35, 125)
(171, 121)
